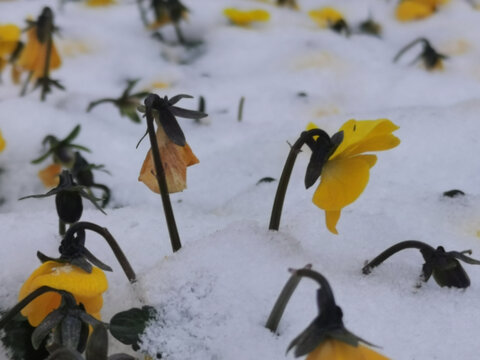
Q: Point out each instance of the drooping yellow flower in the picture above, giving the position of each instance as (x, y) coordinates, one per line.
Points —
(50, 176)
(3, 143)
(345, 175)
(326, 16)
(86, 288)
(175, 160)
(337, 350)
(9, 36)
(100, 2)
(246, 17)
(34, 55)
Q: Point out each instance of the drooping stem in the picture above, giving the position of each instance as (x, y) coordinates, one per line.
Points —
(240, 108)
(282, 301)
(24, 302)
(285, 177)
(117, 251)
(46, 69)
(409, 46)
(409, 244)
(178, 31)
(61, 227)
(162, 182)
(320, 279)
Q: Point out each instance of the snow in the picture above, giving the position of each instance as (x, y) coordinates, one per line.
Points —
(215, 294)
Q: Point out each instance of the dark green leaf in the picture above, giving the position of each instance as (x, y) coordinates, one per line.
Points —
(127, 326)
(97, 347)
(45, 327)
(65, 354)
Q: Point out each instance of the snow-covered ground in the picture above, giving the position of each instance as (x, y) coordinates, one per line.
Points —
(215, 295)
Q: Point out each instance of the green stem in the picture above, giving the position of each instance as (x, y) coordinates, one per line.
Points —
(178, 31)
(282, 301)
(117, 251)
(409, 244)
(143, 15)
(285, 177)
(61, 227)
(162, 182)
(25, 84)
(46, 69)
(240, 109)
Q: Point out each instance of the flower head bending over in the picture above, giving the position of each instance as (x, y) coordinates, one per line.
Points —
(87, 289)
(345, 175)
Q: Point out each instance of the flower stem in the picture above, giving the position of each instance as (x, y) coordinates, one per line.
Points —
(240, 108)
(178, 31)
(117, 251)
(24, 302)
(61, 227)
(285, 177)
(320, 279)
(162, 182)
(409, 244)
(46, 69)
(282, 301)
(25, 85)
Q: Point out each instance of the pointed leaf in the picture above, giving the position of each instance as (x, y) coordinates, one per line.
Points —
(73, 134)
(95, 261)
(171, 127)
(187, 114)
(71, 329)
(173, 100)
(43, 157)
(65, 353)
(46, 326)
(97, 348)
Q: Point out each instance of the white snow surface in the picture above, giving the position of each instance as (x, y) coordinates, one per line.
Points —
(214, 295)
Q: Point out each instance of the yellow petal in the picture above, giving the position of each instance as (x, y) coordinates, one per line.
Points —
(3, 143)
(336, 350)
(100, 2)
(50, 175)
(342, 181)
(412, 10)
(9, 36)
(326, 16)
(366, 135)
(246, 17)
(175, 160)
(331, 219)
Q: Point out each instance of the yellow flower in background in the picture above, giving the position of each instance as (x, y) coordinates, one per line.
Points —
(9, 36)
(246, 17)
(409, 10)
(175, 160)
(50, 176)
(34, 55)
(337, 350)
(100, 2)
(3, 143)
(326, 17)
(345, 175)
(86, 288)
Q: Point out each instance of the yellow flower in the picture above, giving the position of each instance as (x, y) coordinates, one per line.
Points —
(9, 36)
(33, 56)
(337, 350)
(175, 160)
(86, 288)
(326, 17)
(100, 2)
(409, 10)
(2, 142)
(50, 176)
(345, 175)
(246, 17)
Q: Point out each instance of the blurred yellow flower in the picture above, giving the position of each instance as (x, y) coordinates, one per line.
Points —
(345, 175)
(33, 56)
(100, 2)
(409, 10)
(50, 176)
(331, 349)
(175, 160)
(9, 36)
(86, 288)
(2, 142)
(246, 17)
(326, 16)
